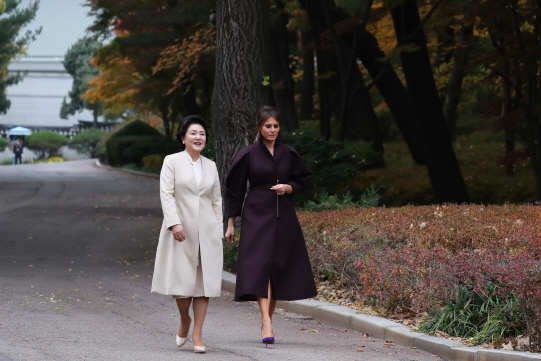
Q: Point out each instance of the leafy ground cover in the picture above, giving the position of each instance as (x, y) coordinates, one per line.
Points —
(410, 263)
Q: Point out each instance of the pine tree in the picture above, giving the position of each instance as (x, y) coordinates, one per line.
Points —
(77, 62)
(12, 44)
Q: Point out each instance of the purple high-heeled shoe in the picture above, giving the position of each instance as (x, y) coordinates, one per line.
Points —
(267, 340)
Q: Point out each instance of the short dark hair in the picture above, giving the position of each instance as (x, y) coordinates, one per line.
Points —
(186, 123)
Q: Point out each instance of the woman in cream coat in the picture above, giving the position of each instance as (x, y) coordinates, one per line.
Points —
(189, 257)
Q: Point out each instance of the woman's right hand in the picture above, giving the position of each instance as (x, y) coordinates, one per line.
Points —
(229, 234)
(178, 232)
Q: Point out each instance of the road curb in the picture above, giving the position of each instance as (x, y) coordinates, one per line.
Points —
(382, 328)
(134, 172)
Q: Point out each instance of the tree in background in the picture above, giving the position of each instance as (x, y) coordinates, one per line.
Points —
(45, 144)
(86, 142)
(144, 29)
(77, 62)
(113, 86)
(3, 144)
(445, 175)
(12, 43)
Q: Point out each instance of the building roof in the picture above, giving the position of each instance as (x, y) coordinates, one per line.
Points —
(63, 22)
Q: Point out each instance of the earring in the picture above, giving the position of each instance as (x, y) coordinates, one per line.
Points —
(182, 142)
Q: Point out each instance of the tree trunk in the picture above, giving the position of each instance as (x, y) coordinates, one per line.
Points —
(508, 127)
(534, 131)
(350, 103)
(357, 119)
(95, 115)
(190, 105)
(443, 169)
(166, 123)
(393, 92)
(323, 71)
(458, 71)
(242, 60)
(283, 86)
(445, 41)
(391, 88)
(307, 83)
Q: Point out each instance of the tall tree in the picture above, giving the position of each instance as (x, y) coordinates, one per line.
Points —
(77, 62)
(242, 62)
(338, 64)
(307, 83)
(144, 29)
(12, 43)
(458, 72)
(281, 79)
(444, 172)
(384, 77)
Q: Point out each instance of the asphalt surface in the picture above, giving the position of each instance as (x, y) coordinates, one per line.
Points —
(77, 245)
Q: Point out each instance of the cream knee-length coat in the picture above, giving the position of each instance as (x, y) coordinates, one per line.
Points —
(199, 210)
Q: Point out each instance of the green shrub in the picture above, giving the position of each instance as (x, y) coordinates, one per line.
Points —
(231, 252)
(326, 202)
(150, 145)
(134, 141)
(137, 127)
(153, 161)
(45, 144)
(370, 197)
(484, 316)
(132, 148)
(332, 162)
(3, 144)
(87, 141)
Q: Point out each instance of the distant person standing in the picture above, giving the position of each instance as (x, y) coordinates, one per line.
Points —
(17, 152)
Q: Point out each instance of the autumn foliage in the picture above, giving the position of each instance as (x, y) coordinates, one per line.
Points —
(185, 56)
(414, 258)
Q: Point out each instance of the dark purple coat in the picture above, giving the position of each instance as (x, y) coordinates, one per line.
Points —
(271, 241)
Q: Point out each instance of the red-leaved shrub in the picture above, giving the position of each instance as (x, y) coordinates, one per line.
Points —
(416, 257)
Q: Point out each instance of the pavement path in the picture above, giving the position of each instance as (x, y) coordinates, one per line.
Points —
(77, 244)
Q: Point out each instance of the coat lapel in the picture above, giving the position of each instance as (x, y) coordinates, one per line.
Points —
(187, 167)
(206, 175)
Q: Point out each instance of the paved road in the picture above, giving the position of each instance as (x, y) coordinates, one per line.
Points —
(77, 246)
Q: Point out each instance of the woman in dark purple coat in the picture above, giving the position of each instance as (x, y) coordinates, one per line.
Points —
(273, 262)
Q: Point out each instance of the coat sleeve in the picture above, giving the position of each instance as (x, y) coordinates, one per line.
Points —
(299, 174)
(167, 194)
(217, 198)
(235, 184)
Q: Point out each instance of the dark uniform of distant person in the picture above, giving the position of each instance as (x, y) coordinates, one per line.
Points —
(273, 261)
(17, 152)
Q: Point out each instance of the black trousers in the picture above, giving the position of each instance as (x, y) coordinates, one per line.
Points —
(18, 157)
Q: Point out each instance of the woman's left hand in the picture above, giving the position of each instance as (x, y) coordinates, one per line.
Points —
(281, 189)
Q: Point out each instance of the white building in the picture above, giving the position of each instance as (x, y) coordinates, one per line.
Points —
(36, 100)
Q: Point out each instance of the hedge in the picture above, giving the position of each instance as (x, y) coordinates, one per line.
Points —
(131, 149)
(414, 258)
(134, 141)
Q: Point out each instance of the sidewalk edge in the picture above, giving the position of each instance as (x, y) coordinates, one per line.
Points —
(389, 330)
(134, 172)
